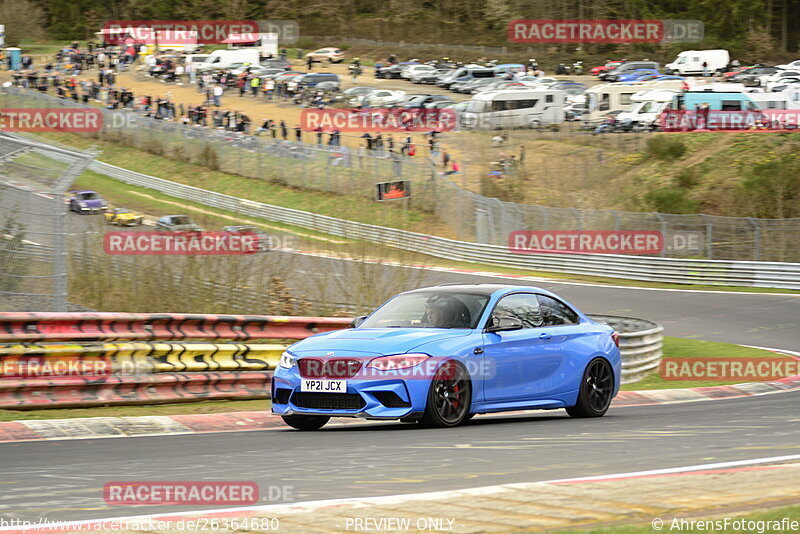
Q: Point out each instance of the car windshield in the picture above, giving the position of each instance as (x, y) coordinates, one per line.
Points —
(429, 309)
(88, 196)
(180, 220)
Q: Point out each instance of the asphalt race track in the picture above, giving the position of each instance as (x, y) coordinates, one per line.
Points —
(64, 479)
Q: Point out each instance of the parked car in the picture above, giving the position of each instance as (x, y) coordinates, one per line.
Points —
(422, 101)
(595, 71)
(353, 95)
(383, 97)
(626, 68)
(440, 355)
(769, 80)
(430, 77)
(86, 201)
(123, 217)
(635, 75)
(274, 63)
(411, 70)
(571, 88)
(313, 78)
(750, 77)
(177, 223)
(475, 85)
(393, 71)
(262, 238)
(329, 54)
(794, 65)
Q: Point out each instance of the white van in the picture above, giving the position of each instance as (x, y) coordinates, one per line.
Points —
(222, 59)
(514, 108)
(691, 62)
(647, 107)
(618, 96)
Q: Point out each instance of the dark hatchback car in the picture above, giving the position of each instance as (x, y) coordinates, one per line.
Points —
(750, 77)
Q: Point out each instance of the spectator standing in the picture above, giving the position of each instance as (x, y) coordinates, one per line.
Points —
(254, 85)
(218, 95)
(284, 131)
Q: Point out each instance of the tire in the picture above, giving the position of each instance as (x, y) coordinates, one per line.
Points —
(534, 124)
(449, 396)
(305, 422)
(597, 385)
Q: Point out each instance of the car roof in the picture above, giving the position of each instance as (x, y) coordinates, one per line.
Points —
(477, 289)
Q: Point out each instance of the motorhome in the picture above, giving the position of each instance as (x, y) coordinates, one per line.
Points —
(514, 108)
(691, 62)
(646, 107)
(609, 97)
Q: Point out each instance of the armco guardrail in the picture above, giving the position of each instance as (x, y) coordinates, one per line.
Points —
(29, 327)
(640, 344)
(652, 269)
(54, 359)
(79, 391)
(47, 374)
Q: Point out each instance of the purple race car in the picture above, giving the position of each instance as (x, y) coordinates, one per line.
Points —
(87, 201)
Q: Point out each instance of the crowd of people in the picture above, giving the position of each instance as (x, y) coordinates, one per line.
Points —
(63, 77)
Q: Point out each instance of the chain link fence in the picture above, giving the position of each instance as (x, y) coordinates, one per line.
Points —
(470, 216)
(33, 222)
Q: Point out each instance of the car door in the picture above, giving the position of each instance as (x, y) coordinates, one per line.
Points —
(520, 364)
(570, 339)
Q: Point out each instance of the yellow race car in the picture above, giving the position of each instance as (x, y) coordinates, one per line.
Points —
(123, 217)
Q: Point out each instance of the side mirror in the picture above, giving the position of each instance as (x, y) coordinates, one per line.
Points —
(503, 324)
(357, 321)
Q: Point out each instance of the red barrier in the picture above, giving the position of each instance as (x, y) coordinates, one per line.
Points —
(24, 327)
(67, 392)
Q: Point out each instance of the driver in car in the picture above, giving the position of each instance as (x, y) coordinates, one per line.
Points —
(447, 312)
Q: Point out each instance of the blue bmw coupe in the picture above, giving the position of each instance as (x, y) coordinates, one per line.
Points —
(440, 355)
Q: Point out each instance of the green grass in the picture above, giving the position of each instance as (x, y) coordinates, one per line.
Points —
(675, 347)
(351, 207)
(345, 207)
(772, 514)
(203, 407)
(136, 198)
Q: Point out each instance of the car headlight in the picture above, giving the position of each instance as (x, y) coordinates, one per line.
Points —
(287, 361)
(397, 361)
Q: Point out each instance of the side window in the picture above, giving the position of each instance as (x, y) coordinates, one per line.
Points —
(499, 105)
(625, 98)
(605, 102)
(548, 99)
(523, 307)
(731, 105)
(555, 313)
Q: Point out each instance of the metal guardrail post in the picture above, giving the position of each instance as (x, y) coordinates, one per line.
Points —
(663, 223)
(709, 237)
(756, 238)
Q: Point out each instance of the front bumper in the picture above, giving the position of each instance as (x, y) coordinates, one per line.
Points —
(383, 398)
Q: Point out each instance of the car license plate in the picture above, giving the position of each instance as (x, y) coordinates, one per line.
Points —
(324, 386)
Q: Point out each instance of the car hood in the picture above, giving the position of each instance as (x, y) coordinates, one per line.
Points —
(378, 341)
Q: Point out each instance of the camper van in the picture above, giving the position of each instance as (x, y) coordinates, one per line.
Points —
(514, 108)
(691, 62)
(719, 97)
(646, 107)
(222, 59)
(605, 98)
